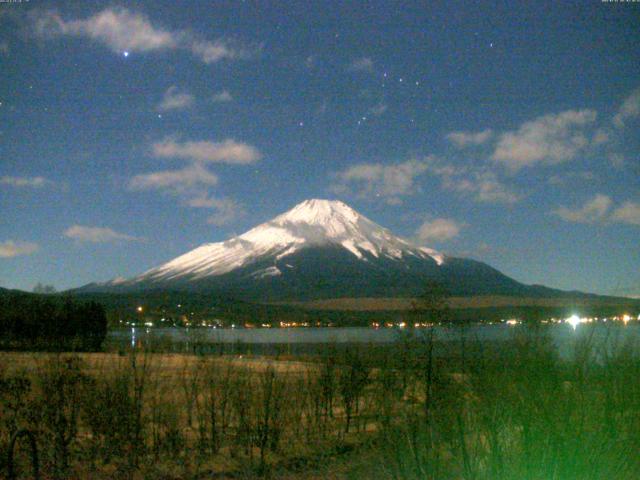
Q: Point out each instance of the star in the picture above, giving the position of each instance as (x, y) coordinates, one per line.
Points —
(125, 53)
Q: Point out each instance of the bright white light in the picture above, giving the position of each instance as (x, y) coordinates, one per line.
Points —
(626, 318)
(126, 54)
(574, 321)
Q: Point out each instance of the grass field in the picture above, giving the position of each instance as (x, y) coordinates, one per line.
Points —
(509, 410)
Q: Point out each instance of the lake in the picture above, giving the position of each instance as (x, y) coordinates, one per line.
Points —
(563, 335)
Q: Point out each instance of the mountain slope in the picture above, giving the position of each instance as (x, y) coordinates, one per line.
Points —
(319, 249)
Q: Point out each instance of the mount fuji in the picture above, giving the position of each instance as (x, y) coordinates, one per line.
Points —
(319, 249)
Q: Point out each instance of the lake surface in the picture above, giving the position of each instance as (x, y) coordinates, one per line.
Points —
(563, 335)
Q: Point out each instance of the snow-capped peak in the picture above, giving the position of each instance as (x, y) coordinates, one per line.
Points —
(313, 222)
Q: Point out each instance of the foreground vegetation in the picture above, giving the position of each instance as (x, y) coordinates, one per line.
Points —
(511, 410)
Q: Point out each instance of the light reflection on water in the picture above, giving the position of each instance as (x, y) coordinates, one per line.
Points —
(564, 336)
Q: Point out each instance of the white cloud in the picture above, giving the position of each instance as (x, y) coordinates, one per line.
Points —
(226, 211)
(174, 99)
(122, 30)
(562, 179)
(364, 64)
(117, 28)
(595, 210)
(212, 52)
(438, 230)
(376, 179)
(222, 97)
(468, 139)
(310, 61)
(480, 183)
(616, 160)
(179, 181)
(378, 109)
(227, 151)
(18, 182)
(629, 109)
(601, 136)
(81, 233)
(549, 139)
(628, 212)
(10, 249)
(601, 209)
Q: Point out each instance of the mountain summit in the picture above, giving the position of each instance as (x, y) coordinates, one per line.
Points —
(318, 249)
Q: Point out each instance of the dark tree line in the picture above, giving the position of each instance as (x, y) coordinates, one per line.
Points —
(53, 323)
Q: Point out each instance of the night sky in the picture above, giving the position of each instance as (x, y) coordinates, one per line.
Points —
(133, 132)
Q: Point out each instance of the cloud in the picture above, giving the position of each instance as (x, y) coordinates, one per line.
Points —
(562, 179)
(10, 249)
(122, 30)
(616, 160)
(4, 48)
(19, 182)
(629, 109)
(479, 182)
(179, 181)
(628, 212)
(212, 52)
(226, 210)
(310, 61)
(174, 99)
(601, 209)
(593, 211)
(438, 230)
(222, 97)
(227, 151)
(117, 28)
(81, 233)
(364, 64)
(376, 179)
(469, 139)
(549, 139)
(378, 109)
(192, 184)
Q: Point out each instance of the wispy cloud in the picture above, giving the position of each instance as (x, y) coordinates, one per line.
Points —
(10, 248)
(470, 139)
(549, 139)
(174, 99)
(378, 109)
(479, 182)
(379, 180)
(628, 212)
(20, 182)
(438, 230)
(180, 181)
(122, 30)
(226, 210)
(222, 97)
(363, 64)
(595, 210)
(601, 209)
(82, 233)
(193, 183)
(205, 151)
(629, 109)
